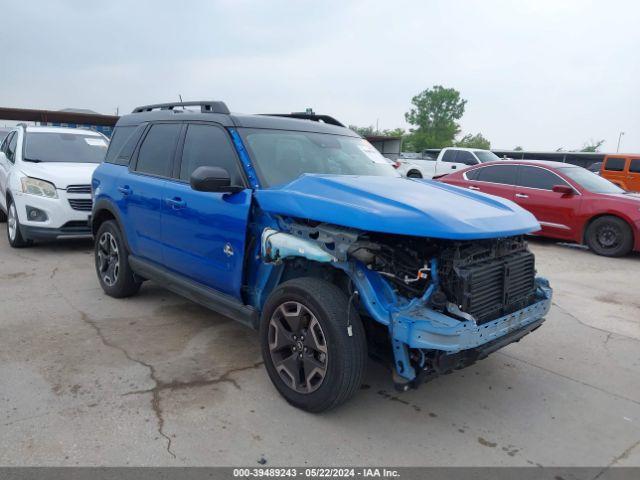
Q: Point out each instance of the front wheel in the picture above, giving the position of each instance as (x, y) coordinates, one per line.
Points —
(610, 236)
(414, 174)
(313, 344)
(112, 262)
(14, 233)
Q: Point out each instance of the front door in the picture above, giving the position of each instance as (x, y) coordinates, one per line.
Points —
(7, 159)
(556, 212)
(204, 233)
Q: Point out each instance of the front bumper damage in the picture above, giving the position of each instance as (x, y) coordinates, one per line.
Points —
(445, 343)
(425, 342)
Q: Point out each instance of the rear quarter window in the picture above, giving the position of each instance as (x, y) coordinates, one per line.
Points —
(634, 166)
(615, 164)
(123, 143)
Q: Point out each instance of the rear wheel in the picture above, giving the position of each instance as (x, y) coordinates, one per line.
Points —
(414, 174)
(112, 262)
(14, 233)
(313, 344)
(609, 236)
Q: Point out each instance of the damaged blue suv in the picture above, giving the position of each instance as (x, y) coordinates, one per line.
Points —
(296, 226)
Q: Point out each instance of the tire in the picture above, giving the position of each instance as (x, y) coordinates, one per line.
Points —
(112, 262)
(414, 174)
(14, 233)
(609, 236)
(320, 309)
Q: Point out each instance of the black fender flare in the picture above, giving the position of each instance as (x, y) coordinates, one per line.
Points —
(104, 204)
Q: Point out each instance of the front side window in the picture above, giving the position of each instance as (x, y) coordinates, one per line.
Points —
(64, 147)
(503, 174)
(466, 157)
(12, 145)
(634, 166)
(534, 177)
(485, 156)
(208, 145)
(449, 156)
(282, 156)
(589, 180)
(158, 147)
(615, 164)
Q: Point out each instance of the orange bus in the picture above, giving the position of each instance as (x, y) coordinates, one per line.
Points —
(623, 170)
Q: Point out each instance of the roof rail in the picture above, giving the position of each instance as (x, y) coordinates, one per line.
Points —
(307, 116)
(206, 106)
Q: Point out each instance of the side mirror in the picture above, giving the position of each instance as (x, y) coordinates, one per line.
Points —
(213, 179)
(563, 189)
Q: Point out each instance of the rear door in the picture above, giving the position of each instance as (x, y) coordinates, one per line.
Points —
(142, 189)
(615, 170)
(204, 233)
(634, 175)
(556, 212)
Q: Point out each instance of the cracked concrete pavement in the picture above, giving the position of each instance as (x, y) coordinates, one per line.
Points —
(157, 380)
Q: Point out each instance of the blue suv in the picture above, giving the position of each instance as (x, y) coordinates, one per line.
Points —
(296, 226)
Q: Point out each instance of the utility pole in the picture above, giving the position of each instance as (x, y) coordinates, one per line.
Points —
(619, 138)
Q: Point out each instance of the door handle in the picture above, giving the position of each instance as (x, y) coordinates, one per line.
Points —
(521, 195)
(125, 190)
(453, 167)
(176, 203)
(471, 187)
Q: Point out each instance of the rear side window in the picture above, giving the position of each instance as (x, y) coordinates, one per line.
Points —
(615, 164)
(533, 177)
(158, 147)
(449, 156)
(208, 145)
(473, 174)
(123, 142)
(634, 166)
(504, 174)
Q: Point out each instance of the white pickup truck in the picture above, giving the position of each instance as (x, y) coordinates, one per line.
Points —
(449, 160)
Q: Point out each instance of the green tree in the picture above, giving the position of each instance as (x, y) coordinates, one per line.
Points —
(364, 131)
(473, 141)
(435, 114)
(592, 145)
(518, 149)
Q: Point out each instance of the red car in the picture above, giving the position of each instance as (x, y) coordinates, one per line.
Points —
(570, 202)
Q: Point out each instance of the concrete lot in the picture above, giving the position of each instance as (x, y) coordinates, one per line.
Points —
(156, 380)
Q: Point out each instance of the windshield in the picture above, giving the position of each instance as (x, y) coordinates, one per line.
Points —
(64, 147)
(282, 156)
(589, 180)
(485, 156)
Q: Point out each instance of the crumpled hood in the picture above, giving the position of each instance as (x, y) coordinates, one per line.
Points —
(401, 206)
(61, 174)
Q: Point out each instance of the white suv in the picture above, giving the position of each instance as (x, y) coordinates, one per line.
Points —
(45, 182)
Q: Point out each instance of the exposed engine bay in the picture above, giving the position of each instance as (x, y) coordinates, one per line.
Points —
(479, 280)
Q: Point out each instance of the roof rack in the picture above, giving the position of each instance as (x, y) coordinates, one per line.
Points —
(206, 106)
(307, 116)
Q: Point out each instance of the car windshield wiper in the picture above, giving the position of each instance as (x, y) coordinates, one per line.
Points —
(34, 160)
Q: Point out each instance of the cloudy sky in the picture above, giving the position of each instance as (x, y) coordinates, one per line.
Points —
(541, 74)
